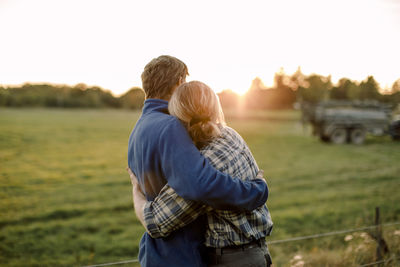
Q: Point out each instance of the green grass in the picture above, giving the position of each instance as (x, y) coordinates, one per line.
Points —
(66, 197)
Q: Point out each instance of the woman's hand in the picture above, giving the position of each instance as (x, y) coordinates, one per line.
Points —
(260, 174)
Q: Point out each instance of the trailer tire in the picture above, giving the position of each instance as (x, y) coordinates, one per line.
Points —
(324, 138)
(357, 136)
(394, 130)
(339, 136)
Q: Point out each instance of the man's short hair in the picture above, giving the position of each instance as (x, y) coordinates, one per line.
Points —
(161, 75)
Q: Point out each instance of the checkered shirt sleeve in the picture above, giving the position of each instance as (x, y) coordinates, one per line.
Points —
(169, 212)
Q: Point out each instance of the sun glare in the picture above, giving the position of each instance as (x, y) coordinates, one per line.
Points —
(240, 91)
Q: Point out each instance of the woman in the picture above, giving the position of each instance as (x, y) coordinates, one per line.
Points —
(231, 238)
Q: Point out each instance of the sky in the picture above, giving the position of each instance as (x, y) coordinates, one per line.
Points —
(225, 43)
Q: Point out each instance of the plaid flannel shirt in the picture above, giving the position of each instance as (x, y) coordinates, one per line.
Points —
(168, 212)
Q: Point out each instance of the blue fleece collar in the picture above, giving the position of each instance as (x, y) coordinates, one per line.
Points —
(155, 105)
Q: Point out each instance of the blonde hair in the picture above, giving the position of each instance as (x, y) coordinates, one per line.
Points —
(199, 108)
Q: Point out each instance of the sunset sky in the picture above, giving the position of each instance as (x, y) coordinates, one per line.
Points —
(225, 43)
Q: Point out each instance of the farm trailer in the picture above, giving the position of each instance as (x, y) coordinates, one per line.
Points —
(344, 121)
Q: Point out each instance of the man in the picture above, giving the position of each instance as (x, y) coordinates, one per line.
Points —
(160, 151)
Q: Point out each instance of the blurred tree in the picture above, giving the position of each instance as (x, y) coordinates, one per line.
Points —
(256, 97)
(81, 86)
(229, 99)
(133, 99)
(396, 86)
(257, 84)
(281, 80)
(369, 89)
(92, 97)
(345, 89)
(297, 79)
(316, 89)
(3, 96)
(283, 96)
(109, 100)
(353, 90)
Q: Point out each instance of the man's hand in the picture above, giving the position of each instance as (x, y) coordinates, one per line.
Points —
(260, 175)
(139, 199)
(133, 177)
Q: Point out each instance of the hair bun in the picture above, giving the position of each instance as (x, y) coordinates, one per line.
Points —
(198, 119)
(203, 132)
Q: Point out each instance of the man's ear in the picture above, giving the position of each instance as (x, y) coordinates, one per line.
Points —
(181, 80)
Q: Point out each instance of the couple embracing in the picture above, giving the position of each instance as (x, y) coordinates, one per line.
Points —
(196, 187)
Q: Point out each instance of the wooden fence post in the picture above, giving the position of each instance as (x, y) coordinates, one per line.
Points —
(382, 248)
(378, 235)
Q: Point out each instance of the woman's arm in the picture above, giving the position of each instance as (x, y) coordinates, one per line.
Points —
(167, 213)
(193, 177)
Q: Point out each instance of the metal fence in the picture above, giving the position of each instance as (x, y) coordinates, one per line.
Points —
(377, 236)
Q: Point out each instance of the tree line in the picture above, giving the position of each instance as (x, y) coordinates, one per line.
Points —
(78, 96)
(287, 90)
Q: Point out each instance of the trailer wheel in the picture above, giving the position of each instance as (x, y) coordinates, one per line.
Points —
(394, 130)
(339, 136)
(357, 136)
(324, 138)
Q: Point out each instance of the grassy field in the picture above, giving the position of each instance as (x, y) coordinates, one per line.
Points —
(66, 197)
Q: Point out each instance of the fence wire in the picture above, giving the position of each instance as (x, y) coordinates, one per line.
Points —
(329, 234)
(290, 240)
(113, 263)
(379, 262)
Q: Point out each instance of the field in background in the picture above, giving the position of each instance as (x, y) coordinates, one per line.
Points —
(66, 197)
